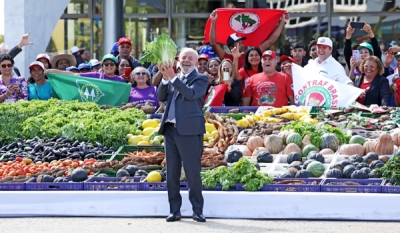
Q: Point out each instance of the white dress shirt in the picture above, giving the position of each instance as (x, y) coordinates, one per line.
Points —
(330, 68)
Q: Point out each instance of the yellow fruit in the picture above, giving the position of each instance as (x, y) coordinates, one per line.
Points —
(267, 113)
(146, 138)
(149, 123)
(134, 140)
(154, 177)
(205, 143)
(214, 133)
(129, 135)
(158, 120)
(155, 142)
(211, 142)
(206, 136)
(159, 138)
(250, 119)
(257, 116)
(243, 123)
(210, 127)
(147, 131)
(143, 143)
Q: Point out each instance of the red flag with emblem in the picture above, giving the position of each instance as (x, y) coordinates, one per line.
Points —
(254, 24)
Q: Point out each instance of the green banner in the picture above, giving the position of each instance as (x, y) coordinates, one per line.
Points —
(70, 87)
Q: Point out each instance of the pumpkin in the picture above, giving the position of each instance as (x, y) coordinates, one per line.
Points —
(376, 164)
(348, 170)
(396, 137)
(316, 156)
(294, 138)
(80, 174)
(303, 174)
(273, 143)
(327, 151)
(385, 145)
(370, 157)
(356, 159)
(351, 149)
(234, 156)
(244, 149)
(369, 146)
(307, 162)
(291, 147)
(305, 141)
(284, 134)
(253, 142)
(122, 172)
(264, 157)
(294, 156)
(358, 174)
(258, 150)
(366, 170)
(329, 140)
(334, 173)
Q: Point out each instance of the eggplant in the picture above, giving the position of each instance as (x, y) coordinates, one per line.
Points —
(46, 151)
(66, 140)
(54, 139)
(59, 139)
(32, 144)
(89, 156)
(75, 144)
(73, 149)
(12, 145)
(108, 151)
(14, 150)
(85, 149)
(20, 146)
(37, 147)
(74, 156)
(28, 141)
(27, 148)
(56, 152)
(49, 144)
(112, 148)
(51, 158)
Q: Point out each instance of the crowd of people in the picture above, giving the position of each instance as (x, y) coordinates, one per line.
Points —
(247, 76)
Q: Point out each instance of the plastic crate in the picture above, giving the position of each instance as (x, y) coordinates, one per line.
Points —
(129, 148)
(391, 188)
(105, 157)
(218, 187)
(234, 116)
(110, 173)
(12, 186)
(307, 187)
(112, 184)
(226, 109)
(366, 186)
(156, 116)
(31, 185)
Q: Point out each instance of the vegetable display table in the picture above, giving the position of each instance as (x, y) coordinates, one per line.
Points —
(218, 204)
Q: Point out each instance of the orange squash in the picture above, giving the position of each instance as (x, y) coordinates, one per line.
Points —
(396, 137)
(258, 150)
(369, 146)
(253, 142)
(351, 149)
(385, 144)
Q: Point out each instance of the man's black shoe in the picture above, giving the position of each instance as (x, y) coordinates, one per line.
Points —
(199, 218)
(174, 217)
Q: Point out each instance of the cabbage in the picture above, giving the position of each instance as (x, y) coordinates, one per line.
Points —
(161, 51)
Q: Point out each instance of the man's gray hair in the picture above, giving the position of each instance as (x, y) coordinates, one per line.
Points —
(186, 50)
(3, 48)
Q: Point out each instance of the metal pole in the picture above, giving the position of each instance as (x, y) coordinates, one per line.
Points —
(91, 12)
(330, 11)
(113, 23)
(170, 6)
(319, 19)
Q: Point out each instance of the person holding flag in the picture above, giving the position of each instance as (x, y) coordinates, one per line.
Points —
(254, 24)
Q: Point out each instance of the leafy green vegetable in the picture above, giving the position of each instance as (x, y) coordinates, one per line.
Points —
(161, 51)
(243, 172)
(316, 131)
(76, 120)
(391, 170)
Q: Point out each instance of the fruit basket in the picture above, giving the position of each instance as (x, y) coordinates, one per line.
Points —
(113, 184)
(294, 185)
(12, 186)
(352, 185)
(389, 187)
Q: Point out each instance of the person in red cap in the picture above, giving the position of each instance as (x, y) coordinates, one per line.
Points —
(125, 49)
(269, 88)
(202, 63)
(286, 62)
(235, 41)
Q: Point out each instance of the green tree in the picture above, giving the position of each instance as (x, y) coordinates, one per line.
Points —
(1, 38)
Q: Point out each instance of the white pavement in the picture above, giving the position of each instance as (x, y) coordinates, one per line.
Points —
(158, 225)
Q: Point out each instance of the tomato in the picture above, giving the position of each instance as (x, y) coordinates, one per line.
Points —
(28, 174)
(81, 163)
(66, 163)
(12, 173)
(20, 173)
(45, 164)
(9, 162)
(18, 159)
(74, 164)
(26, 170)
(39, 163)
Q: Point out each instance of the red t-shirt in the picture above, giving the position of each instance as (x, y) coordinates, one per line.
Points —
(363, 86)
(269, 90)
(230, 57)
(246, 76)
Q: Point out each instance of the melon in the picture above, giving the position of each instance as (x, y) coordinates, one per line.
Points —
(316, 168)
(294, 138)
(357, 139)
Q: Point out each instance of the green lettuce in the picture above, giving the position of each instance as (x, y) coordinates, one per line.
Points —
(161, 51)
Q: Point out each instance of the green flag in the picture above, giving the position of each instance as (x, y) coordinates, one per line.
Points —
(70, 87)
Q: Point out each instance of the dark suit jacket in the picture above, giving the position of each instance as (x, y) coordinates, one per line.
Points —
(188, 104)
(378, 93)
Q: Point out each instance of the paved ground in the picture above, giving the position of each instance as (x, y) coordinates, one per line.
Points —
(148, 225)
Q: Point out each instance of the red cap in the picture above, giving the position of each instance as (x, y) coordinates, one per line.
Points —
(269, 53)
(124, 40)
(355, 47)
(284, 57)
(203, 56)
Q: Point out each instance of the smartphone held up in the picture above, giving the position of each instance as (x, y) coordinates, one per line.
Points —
(226, 74)
(358, 25)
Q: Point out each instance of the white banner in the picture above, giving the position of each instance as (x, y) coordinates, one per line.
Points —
(316, 90)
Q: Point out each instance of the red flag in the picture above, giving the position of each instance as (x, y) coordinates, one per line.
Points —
(254, 24)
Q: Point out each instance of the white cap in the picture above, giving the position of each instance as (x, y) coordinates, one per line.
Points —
(94, 62)
(75, 49)
(43, 55)
(36, 63)
(324, 41)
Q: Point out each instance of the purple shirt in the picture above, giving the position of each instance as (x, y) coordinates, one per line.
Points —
(23, 87)
(141, 96)
(100, 75)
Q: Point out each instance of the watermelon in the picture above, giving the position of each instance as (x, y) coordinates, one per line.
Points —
(307, 149)
(294, 138)
(316, 168)
(330, 141)
(357, 139)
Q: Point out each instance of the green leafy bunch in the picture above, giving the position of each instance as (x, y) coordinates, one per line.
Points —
(243, 172)
(391, 170)
(163, 50)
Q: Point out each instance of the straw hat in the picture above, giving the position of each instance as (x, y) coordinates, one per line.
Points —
(69, 57)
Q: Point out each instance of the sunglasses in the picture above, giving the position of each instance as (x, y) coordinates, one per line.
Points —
(124, 65)
(7, 65)
(141, 73)
(109, 64)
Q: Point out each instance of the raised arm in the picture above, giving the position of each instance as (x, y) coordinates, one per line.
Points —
(213, 36)
(18, 48)
(275, 35)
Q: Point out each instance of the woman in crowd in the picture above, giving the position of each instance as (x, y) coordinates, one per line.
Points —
(62, 61)
(202, 63)
(124, 63)
(39, 88)
(95, 64)
(12, 88)
(142, 91)
(375, 86)
(109, 70)
(252, 65)
(45, 60)
(212, 71)
(226, 92)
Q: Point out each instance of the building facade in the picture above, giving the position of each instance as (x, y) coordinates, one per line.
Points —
(56, 26)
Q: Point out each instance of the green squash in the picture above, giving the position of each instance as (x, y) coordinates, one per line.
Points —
(357, 139)
(264, 157)
(294, 156)
(294, 138)
(330, 141)
(307, 149)
(234, 156)
(358, 174)
(79, 175)
(316, 168)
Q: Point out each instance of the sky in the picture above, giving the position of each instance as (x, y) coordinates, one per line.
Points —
(1, 17)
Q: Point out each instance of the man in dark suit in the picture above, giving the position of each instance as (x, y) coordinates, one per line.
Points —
(183, 127)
